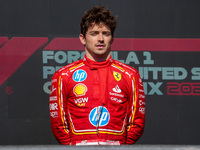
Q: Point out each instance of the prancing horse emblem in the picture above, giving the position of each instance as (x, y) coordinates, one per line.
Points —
(117, 76)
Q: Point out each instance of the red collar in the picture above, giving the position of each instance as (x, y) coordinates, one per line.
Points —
(94, 65)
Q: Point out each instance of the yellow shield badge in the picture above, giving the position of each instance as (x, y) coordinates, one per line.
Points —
(117, 76)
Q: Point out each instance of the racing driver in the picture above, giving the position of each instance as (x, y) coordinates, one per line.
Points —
(97, 100)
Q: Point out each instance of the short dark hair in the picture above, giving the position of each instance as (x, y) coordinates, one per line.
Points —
(97, 15)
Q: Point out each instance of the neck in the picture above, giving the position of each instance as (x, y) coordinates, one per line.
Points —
(98, 58)
(94, 64)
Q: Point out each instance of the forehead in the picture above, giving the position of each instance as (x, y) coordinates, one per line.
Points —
(98, 27)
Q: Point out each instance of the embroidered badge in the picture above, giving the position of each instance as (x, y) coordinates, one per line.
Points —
(117, 76)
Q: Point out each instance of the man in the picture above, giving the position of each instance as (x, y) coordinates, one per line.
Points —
(97, 100)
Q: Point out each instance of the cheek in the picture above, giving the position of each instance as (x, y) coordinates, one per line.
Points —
(109, 40)
(89, 45)
(90, 42)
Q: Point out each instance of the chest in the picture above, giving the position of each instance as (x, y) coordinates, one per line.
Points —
(97, 87)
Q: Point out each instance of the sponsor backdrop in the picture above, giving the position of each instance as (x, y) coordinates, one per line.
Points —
(160, 39)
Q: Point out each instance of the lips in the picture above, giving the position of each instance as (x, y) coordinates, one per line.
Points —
(100, 46)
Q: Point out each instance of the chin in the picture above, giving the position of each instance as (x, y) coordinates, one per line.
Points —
(101, 52)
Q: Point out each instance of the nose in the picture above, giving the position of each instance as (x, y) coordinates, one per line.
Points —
(101, 38)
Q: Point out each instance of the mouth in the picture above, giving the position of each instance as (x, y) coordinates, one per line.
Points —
(100, 46)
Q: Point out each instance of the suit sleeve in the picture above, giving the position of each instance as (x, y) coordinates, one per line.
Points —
(136, 112)
(58, 113)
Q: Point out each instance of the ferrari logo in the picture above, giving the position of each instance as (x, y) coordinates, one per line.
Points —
(117, 76)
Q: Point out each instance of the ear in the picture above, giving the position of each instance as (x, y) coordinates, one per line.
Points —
(82, 39)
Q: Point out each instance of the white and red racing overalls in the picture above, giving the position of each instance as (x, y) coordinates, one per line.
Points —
(97, 103)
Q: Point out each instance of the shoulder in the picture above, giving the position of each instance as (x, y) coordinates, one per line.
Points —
(68, 69)
(125, 68)
(129, 72)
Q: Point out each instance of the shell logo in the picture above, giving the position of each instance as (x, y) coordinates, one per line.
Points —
(80, 89)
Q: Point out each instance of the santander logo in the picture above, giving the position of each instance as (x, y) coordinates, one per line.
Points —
(117, 89)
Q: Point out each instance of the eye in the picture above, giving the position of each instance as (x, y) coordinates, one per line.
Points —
(93, 33)
(106, 33)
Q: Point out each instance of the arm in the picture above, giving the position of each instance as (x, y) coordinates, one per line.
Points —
(136, 112)
(57, 105)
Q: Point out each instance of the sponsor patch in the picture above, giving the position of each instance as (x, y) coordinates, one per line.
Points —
(141, 103)
(80, 89)
(117, 89)
(128, 74)
(117, 76)
(53, 106)
(53, 89)
(79, 75)
(99, 116)
(54, 114)
(53, 98)
(54, 80)
(115, 94)
(142, 110)
(81, 101)
(65, 74)
(118, 100)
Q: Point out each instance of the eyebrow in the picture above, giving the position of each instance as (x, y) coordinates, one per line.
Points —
(95, 31)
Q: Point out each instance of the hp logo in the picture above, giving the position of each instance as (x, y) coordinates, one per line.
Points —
(99, 116)
(79, 75)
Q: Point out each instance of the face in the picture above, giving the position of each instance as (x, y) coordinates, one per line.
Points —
(97, 42)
